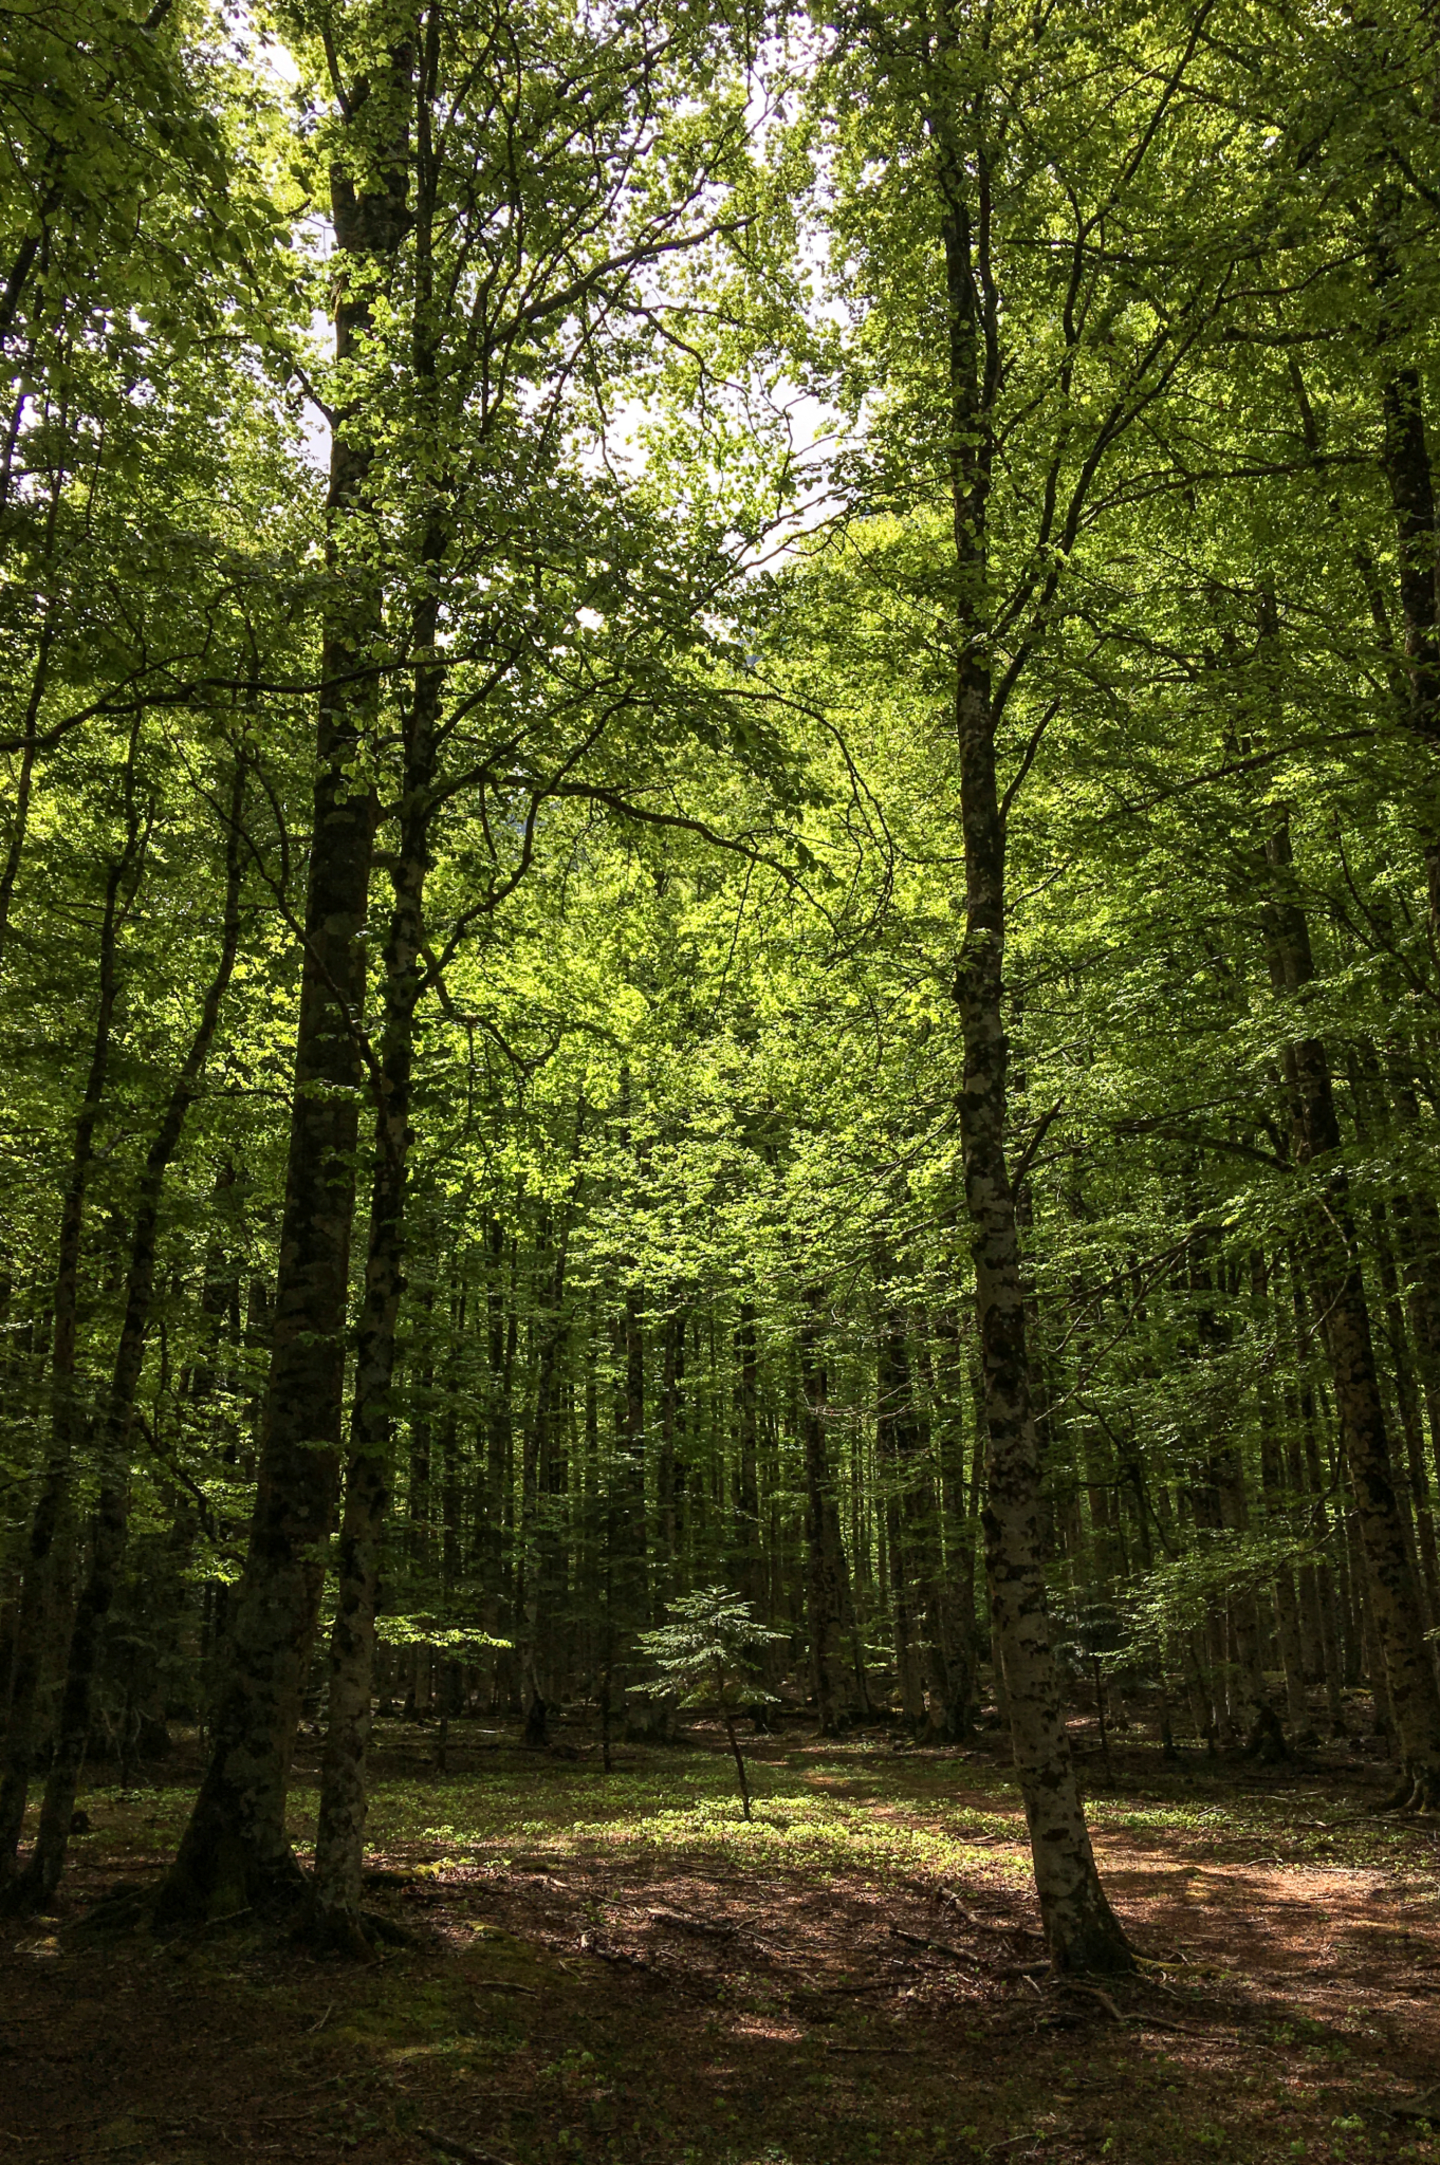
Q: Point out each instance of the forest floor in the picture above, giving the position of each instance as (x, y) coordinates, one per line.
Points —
(621, 1969)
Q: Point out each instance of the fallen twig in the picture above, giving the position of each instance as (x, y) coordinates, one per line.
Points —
(935, 1946)
(983, 1924)
(1424, 2107)
(449, 2147)
(322, 2022)
(684, 1923)
(899, 2052)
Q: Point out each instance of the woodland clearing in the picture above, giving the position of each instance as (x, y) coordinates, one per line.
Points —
(620, 1969)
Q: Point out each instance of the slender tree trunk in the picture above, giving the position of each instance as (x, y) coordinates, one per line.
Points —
(898, 1445)
(37, 1585)
(235, 1851)
(739, 1756)
(626, 1540)
(747, 1489)
(1394, 1602)
(824, 1555)
(1272, 1483)
(24, 787)
(1413, 1493)
(42, 1875)
(1417, 1221)
(669, 1474)
(537, 1598)
(1080, 1928)
(335, 1917)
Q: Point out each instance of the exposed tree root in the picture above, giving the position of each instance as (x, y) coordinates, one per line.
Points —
(354, 1934)
(1418, 1790)
(285, 1906)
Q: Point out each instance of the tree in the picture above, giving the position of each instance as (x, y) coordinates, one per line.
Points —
(704, 1654)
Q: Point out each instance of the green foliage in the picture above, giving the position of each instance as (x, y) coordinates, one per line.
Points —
(685, 1149)
(707, 1648)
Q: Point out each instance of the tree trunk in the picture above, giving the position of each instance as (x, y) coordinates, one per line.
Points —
(1080, 1928)
(748, 1561)
(37, 1586)
(824, 1554)
(235, 1852)
(334, 1918)
(1341, 1300)
(42, 1875)
(898, 1444)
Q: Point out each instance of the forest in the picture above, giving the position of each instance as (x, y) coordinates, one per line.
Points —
(720, 1056)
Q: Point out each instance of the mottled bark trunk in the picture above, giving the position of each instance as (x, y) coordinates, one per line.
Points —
(824, 1554)
(1080, 1927)
(898, 1445)
(47, 1863)
(235, 1851)
(37, 1584)
(748, 1561)
(1081, 1930)
(24, 787)
(1341, 1300)
(335, 1917)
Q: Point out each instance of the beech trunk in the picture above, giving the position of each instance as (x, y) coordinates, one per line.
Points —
(1393, 1596)
(37, 1883)
(235, 1852)
(1081, 1930)
(35, 1590)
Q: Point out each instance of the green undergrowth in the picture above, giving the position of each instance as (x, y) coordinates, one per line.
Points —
(810, 1815)
(852, 1808)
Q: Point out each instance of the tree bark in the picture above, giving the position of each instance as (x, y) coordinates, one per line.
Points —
(37, 1883)
(824, 1553)
(235, 1852)
(65, 1423)
(1080, 1928)
(1345, 1328)
(334, 1916)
